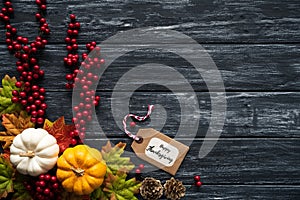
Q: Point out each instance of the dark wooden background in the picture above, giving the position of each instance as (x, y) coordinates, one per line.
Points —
(256, 47)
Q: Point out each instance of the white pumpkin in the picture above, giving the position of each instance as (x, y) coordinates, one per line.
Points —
(34, 151)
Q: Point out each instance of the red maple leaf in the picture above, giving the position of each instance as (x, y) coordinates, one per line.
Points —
(60, 131)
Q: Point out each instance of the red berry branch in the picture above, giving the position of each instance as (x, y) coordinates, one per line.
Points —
(83, 110)
(32, 95)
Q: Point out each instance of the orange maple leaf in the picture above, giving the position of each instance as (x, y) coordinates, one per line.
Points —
(60, 131)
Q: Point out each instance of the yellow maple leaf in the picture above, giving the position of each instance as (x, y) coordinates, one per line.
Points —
(7, 140)
(14, 125)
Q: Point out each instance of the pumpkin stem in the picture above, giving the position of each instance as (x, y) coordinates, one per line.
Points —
(29, 154)
(78, 171)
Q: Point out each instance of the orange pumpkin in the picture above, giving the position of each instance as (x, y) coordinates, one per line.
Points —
(81, 169)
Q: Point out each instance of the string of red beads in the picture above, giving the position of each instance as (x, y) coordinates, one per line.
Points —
(32, 96)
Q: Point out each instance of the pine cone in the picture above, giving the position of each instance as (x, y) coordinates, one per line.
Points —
(151, 189)
(174, 189)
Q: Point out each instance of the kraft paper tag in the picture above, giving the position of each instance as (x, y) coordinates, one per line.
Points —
(160, 150)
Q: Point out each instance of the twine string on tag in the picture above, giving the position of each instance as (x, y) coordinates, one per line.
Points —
(129, 134)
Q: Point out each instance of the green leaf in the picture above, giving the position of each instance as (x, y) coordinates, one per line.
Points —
(20, 192)
(99, 194)
(6, 105)
(7, 173)
(113, 159)
(117, 187)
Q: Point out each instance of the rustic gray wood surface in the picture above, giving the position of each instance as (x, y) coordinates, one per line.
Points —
(256, 47)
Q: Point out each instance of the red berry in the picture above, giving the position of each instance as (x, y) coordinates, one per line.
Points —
(53, 179)
(47, 191)
(24, 102)
(42, 90)
(38, 2)
(42, 20)
(42, 183)
(69, 77)
(141, 166)
(97, 98)
(198, 183)
(39, 189)
(132, 124)
(42, 177)
(15, 93)
(77, 25)
(47, 177)
(22, 94)
(72, 16)
(38, 16)
(73, 141)
(28, 187)
(55, 186)
(67, 40)
(71, 26)
(137, 171)
(40, 120)
(75, 32)
(197, 178)
(43, 106)
(41, 112)
(33, 113)
(33, 119)
(43, 7)
(14, 99)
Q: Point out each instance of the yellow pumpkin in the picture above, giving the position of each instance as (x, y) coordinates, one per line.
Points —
(81, 169)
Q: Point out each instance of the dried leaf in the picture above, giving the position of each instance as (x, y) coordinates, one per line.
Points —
(7, 173)
(7, 140)
(15, 124)
(113, 159)
(6, 105)
(60, 131)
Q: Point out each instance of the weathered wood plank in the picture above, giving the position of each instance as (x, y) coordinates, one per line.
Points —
(243, 192)
(248, 114)
(205, 21)
(242, 67)
(235, 162)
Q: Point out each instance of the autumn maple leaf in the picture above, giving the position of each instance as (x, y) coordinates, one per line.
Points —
(14, 124)
(60, 131)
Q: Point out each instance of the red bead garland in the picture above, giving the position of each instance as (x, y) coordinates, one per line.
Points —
(32, 96)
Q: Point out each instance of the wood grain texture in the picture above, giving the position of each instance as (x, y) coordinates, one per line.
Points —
(234, 162)
(263, 115)
(206, 21)
(256, 47)
(242, 67)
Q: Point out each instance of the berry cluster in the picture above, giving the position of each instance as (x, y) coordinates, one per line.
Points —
(46, 187)
(32, 96)
(198, 183)
(140, 169)
(72, 59)
(87, 99)
(82, 80)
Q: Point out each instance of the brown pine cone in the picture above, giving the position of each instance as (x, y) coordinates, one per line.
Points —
(151, 189)
(174, 189)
